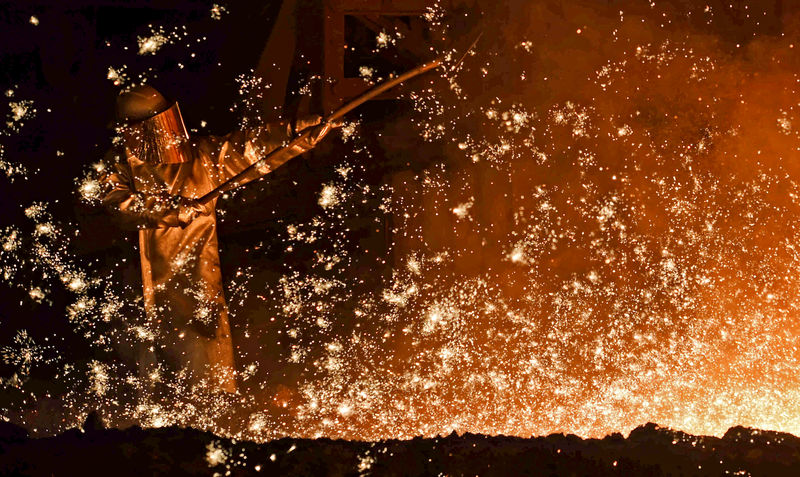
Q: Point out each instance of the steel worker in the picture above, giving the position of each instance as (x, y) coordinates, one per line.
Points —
(155, 187)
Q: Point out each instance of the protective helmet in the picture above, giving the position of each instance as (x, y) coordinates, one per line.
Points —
(153, 129)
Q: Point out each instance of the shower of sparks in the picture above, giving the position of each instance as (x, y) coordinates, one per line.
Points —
(216, 454)
(462, 210)
(12, 170)
(22, 355)
(365, 463)
(330, 196)
(151, 44)
(217, 11)
(384, 39)
(20, 111)
(251, 93)
(526, 45)
(435, 14)
(596, 248)
(348, 130)
(158, 38)
(117, 75)
(366, 72)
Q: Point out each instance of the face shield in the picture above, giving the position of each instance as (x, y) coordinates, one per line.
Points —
(159, 139)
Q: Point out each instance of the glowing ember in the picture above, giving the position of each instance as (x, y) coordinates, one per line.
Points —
(151, 44)
(217, 11)
(329, 196)
(117, 75)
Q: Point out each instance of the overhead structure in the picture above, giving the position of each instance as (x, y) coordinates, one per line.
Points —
(353, 29)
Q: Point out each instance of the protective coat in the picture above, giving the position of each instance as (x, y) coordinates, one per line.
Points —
(183, 292)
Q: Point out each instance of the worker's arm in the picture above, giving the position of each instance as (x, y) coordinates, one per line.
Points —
(238, 150)
(138, 210)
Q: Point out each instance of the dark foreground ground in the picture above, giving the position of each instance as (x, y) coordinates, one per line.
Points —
(649, 450)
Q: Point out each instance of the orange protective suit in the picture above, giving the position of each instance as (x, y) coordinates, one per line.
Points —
(183, 292)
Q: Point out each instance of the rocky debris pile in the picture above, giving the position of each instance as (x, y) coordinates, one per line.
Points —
(649, 450)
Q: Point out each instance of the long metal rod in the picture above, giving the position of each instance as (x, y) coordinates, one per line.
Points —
(233, 182)
(382, 88)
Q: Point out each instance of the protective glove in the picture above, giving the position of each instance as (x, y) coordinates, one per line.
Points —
(190, 209)
(304, 122)
(320, 129)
